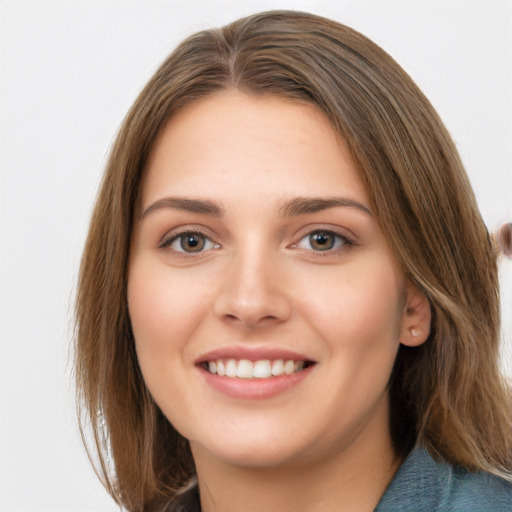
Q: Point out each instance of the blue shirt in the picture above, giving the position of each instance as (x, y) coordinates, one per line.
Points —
(424, 485)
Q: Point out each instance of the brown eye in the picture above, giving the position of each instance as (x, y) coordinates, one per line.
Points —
(192, 242)
(189, 242)
(322, 240)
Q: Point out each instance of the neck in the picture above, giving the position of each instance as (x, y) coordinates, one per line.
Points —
(353, 479)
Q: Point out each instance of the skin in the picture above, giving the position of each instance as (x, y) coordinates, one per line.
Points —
(260, 283)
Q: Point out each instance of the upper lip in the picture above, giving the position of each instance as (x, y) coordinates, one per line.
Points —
(252, 353)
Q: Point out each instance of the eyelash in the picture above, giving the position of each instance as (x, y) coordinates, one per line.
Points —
(341, 242)
(170, 239)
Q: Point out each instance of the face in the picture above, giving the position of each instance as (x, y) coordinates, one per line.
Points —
(266, 306)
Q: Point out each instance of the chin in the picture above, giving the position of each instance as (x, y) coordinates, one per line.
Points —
(250, 451)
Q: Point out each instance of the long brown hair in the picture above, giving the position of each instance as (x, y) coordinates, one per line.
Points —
(447, 394)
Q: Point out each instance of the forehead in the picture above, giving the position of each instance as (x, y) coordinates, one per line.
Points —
(231, 137)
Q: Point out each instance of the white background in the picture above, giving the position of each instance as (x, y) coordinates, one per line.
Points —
(68, 73)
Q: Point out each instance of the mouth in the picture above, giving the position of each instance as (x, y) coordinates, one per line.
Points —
(259, 369)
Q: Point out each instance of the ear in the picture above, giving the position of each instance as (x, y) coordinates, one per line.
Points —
(416, 318)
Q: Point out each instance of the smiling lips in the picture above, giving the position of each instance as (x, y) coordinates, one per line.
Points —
(253, 373)
(260, 369)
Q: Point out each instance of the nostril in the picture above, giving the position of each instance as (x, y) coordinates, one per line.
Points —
(251, 321)
(251, 306)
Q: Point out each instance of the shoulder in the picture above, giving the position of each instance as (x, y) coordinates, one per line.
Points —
(424, 484)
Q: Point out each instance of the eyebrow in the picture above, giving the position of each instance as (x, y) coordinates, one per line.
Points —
(291, 208)
(203, 206)
(304, 205)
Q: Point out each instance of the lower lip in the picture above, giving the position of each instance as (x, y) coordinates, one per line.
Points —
(254, 389)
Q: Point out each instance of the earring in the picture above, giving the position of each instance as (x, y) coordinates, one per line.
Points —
(414, 332)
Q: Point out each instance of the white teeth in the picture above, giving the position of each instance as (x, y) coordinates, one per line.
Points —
(289, 367)
(245, 369)
(278, 367)
(231, 368)
(261, 369)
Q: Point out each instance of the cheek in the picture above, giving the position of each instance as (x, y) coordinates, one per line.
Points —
(164, 310)
(360, 308)
(359, 316)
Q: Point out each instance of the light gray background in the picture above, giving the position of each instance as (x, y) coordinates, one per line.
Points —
(68, 73)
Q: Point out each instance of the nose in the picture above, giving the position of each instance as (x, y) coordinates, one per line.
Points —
(253, 293)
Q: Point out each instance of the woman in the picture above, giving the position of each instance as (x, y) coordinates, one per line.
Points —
(288, 299)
